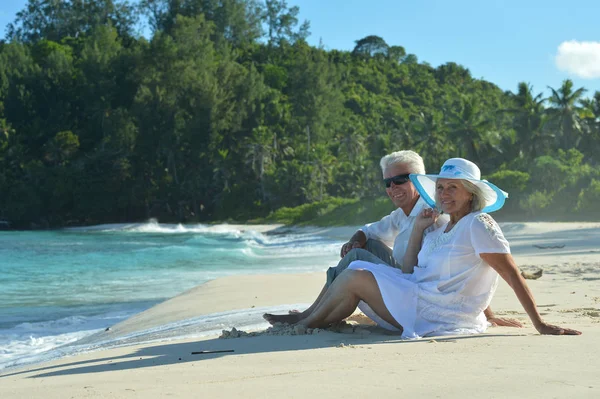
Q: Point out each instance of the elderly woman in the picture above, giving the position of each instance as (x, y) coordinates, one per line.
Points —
(449, 276)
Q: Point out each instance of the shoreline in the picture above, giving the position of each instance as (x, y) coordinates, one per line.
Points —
(266, 225)
(267, 366)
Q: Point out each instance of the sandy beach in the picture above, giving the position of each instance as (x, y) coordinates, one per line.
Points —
(503, 362)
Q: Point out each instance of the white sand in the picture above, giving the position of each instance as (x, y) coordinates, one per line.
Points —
(504, 362)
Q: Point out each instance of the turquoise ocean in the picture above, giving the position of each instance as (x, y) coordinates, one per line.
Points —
(59, 287)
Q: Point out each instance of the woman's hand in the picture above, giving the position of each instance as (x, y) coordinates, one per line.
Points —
(545, 328)
(426, 218)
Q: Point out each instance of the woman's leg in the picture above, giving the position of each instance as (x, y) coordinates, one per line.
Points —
(332, 273)
(342, 298)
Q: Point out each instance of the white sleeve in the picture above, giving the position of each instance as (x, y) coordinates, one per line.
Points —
(384, 230)
(487, 237)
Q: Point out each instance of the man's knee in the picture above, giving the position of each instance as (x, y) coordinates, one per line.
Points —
(376, 247)
(355, 254)
(382, 251)
(352, 255)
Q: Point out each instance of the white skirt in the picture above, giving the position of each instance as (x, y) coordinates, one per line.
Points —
(420, 308)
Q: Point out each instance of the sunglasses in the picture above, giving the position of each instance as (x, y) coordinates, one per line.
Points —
(397, 180)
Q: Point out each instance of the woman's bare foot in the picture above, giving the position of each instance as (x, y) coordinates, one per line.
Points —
(292, 318)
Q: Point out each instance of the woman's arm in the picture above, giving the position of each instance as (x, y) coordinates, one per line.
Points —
(412, 250)
(506, 267)
(425, 219)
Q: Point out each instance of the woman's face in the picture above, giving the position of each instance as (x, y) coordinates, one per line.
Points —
(453, 196)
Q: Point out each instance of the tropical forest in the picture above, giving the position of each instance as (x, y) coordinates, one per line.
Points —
(222, 111)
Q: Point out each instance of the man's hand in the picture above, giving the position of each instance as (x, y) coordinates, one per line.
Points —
(347, 247)
(504, 322)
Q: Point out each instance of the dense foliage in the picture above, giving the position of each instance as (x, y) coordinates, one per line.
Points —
(227, 113)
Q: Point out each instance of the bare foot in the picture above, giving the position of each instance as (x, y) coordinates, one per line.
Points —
(282, 318)
(361, 318)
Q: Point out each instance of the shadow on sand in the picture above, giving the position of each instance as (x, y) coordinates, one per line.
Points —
(173, 353)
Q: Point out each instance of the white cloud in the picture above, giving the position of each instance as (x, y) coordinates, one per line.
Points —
(581, 59)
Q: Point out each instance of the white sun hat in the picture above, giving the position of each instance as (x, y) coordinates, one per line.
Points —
(459, 168)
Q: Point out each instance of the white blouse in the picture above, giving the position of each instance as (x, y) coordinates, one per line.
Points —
(395, 229)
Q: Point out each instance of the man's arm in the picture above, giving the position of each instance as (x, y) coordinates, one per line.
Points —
(384, 230)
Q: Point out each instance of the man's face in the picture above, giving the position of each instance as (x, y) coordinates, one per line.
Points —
(402, 195)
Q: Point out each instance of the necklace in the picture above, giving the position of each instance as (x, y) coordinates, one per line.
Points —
(435, 243)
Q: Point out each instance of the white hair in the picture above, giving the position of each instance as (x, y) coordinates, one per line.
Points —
(408, 157)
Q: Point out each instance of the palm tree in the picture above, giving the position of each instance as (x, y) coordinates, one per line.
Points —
(321, 168)
(564, 113)
(430, 141)
(260, 151)
(529, 121)
(471, 130)
(352, 143)
(590, 117)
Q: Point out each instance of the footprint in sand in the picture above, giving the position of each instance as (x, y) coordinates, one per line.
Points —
(507, 312)
(589, 312)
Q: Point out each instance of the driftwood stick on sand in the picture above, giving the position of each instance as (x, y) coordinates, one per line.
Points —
(549, 246)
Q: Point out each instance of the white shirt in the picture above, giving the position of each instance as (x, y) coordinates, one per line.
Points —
(395, 229)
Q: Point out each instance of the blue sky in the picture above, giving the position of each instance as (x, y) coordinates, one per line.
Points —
(505, 42)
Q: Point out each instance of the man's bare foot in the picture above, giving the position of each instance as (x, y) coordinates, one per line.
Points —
(282, 318)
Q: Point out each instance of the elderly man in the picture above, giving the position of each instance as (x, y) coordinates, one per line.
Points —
(372, 242)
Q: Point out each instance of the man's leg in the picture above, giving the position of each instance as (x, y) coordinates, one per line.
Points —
(383, 252)
(355, 254)
(374, 252)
